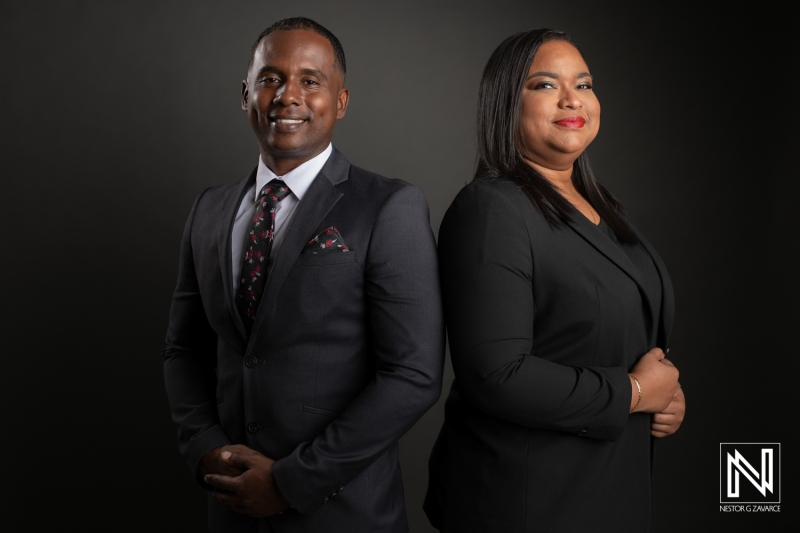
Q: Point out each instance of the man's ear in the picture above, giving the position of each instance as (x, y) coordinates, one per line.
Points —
(245, 95)
(341, 103)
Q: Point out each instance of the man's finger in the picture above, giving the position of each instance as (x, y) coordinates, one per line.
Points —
(226, 483)
(238, 448)
(227, 470)
(228, 498)
(238, 460)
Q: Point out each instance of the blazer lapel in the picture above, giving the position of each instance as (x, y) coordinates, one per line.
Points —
(667, 295)
(228, 210)
(318, 200)
(610, 250)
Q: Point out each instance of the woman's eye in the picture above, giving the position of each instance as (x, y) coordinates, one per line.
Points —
(585, 86)
(544, 85)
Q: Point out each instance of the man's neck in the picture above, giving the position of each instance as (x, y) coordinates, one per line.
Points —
(282, 165)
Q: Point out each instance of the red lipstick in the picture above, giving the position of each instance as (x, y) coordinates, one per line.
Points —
(573, 122)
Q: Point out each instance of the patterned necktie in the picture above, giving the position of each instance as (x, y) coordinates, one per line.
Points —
(257, 247)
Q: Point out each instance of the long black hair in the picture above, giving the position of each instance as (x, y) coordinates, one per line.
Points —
(500, 137)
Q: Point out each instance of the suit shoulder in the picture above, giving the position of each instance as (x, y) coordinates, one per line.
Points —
(376, 188)
(364, 178)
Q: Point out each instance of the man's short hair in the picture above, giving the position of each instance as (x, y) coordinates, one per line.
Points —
(303, 23)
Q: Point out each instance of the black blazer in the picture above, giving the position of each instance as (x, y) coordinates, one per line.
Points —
(345, 355)
(537, 435)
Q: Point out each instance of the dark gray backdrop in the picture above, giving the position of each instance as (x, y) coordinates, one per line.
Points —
(116, 115)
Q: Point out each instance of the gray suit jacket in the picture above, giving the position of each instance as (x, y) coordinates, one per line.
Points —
(345, 355)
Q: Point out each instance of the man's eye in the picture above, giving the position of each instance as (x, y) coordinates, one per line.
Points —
(310, 82)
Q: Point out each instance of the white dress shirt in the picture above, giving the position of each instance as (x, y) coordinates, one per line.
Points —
(298, 180)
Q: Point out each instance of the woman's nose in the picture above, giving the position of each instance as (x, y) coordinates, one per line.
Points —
(570, 100)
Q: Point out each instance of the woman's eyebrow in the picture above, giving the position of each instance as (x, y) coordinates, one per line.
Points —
(554, 75)
(542, 73)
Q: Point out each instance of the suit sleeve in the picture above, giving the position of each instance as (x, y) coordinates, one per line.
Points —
(190, 361)
(487, 265)
(407, 329)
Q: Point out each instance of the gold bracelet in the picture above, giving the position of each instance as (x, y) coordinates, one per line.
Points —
(638, 386)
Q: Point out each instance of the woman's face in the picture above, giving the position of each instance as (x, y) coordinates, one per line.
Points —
(560, 114)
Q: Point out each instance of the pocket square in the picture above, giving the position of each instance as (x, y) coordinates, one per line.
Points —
(328, 241)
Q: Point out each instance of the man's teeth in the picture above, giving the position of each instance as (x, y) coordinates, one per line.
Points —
(288, 121)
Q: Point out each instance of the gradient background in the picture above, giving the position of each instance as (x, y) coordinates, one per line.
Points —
(116, 115)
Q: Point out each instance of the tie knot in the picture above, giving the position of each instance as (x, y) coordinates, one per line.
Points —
(275, 191)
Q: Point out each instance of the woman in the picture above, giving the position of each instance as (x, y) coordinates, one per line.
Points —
(557, 313)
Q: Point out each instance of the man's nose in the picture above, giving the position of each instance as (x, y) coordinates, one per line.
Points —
(287, 94)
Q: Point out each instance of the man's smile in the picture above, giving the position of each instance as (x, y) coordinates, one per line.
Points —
(286, 124)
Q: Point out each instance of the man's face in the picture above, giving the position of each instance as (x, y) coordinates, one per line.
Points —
(293, 96)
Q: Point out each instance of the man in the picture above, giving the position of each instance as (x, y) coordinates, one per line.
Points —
(306, 333)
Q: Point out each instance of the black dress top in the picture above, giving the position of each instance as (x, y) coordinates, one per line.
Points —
(544, 325)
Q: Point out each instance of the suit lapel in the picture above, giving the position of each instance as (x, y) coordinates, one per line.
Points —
(667, 296)
(318, 200)
(594, 236)
(228, 210)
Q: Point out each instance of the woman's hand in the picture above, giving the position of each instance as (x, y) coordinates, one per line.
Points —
(669, 420)
(658, 378)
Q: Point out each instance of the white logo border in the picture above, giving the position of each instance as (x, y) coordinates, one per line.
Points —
(780, 477)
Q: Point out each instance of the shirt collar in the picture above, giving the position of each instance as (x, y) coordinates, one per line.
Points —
(299, 179)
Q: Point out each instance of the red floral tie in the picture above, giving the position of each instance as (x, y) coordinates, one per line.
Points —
(257, 247)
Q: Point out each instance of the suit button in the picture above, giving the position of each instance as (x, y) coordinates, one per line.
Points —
(252, 427)
(582, 433)
(250, 362)
(326, 499)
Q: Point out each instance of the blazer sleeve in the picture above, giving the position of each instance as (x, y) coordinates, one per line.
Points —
(190, 362)
(487, 264)
(407, 331)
